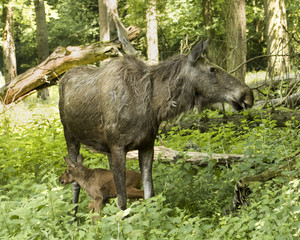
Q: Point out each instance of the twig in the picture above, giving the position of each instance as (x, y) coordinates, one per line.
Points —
(254, 58)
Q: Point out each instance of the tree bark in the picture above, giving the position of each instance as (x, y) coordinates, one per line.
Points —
(42, 40)
(152, 38)
(236, 37)
(277, 37)
(9, 54)
(210, 32)
(47, 73)
(105, 22)
(121, 30)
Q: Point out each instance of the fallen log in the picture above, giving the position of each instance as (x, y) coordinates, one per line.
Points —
(168, 155)
(48, 72)
(290, 79)
(289, 101)
(62, 59)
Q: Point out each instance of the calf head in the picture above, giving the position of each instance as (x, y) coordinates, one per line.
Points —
(73, 170)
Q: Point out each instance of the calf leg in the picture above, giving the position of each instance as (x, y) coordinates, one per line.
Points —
(97, 204)
(117, 162)
(134, 193)
(91, 206)
(145, 161)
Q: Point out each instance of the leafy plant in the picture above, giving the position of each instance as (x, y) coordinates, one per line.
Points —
(190, 202)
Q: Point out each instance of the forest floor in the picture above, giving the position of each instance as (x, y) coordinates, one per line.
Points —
(191, 202)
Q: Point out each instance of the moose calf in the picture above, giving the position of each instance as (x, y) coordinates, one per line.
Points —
(99, 183)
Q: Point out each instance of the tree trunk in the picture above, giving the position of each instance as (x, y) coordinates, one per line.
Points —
(152, 38)
(277, 37)
(42, 39)
(105, 22)
(9, 54)
(236, 37)
(121, 30)
(210, 32)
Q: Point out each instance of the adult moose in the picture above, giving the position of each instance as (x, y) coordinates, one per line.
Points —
(118, 107)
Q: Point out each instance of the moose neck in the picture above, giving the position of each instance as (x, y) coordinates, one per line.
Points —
(172, 92)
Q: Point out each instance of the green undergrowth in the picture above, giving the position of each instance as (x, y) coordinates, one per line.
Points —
(190, 202)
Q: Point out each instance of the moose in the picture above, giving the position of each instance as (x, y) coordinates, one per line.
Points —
(99, 182)
(119, 106)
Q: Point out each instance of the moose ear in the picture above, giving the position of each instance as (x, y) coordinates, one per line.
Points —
(80, 158)
(197, 51)
(205, 44)
(69, 162)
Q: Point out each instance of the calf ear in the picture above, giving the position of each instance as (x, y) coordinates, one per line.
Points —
(69, 162)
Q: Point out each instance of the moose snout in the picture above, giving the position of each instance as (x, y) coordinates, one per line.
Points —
(61, 180)
(243, 99)
(247, 99)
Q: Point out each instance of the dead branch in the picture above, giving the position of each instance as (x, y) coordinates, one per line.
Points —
(242, 190)
(254, 58)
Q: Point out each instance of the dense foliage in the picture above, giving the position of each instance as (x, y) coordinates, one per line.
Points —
(76, 23)
(190, 202)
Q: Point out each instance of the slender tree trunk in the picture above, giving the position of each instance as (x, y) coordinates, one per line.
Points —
(236, 37)
(210, 32)
(110, 21)
(42, 39)
(9, 54)
(103, 21)
(152, 38)
(277, 37)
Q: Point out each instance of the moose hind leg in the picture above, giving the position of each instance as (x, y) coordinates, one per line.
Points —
(145, 161)
(117, 162)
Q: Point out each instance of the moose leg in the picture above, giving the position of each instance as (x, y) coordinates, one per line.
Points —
(73, 146)
(117, 162)
(145, 161)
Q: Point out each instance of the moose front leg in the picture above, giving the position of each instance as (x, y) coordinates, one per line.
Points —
(73, 147)
(117, 162)
(145, 161)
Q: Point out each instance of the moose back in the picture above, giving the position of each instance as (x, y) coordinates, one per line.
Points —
(119, 106)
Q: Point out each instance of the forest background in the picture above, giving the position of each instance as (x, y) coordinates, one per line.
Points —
(192, 202)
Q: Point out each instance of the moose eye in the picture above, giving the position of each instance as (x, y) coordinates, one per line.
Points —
(212, 69)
